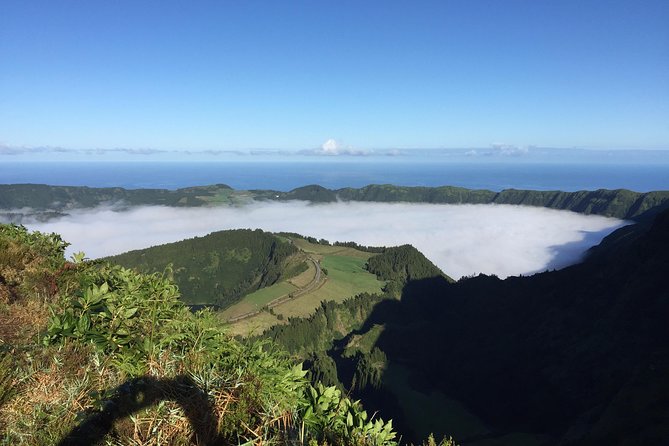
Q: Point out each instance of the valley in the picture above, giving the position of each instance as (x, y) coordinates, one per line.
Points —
(477, 358)
(327, 223)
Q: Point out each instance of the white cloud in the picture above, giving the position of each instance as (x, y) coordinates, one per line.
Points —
(461, 239)
(332, 147)
(509, 150)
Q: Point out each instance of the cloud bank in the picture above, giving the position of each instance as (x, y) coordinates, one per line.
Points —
(501, 150)
(332, 147)
(460, 239)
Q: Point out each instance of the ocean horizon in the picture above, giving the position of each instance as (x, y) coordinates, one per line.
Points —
(335, 174)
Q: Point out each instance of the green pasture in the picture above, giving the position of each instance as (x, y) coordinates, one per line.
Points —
(346, 277)
(306, 277)
(227, 197)
(258, 299)
(254, 325)
(325, 250)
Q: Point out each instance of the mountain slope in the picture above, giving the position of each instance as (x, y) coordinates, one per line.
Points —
(40, 199)
(573, 339)
(221, 267)
(92, 353)
(577, 356)
(44, 202)
(619, 203)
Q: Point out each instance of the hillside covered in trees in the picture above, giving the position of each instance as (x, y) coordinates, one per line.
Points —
(60, 198)
(220, 268)
(21, 201)
(570, 357)
(619, 203)
(93, 353)
(577, 356)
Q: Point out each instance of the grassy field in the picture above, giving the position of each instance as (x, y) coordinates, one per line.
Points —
(227, 197)
(254, 325)
(346, 277)
(322, 250)
(305, 278)
(258, 299)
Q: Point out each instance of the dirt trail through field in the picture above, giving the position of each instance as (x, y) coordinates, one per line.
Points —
(317, 282)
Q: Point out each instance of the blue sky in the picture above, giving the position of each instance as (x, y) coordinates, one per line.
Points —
(228, 75)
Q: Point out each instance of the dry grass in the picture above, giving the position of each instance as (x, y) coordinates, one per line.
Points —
(51, 388)
(305, 278)
(23, 272)
(22, 321)
(254, 325)
(164, 424)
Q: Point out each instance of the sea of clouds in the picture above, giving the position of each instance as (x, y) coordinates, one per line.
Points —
(461, 239)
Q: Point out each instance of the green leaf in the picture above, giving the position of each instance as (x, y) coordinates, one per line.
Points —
(130, 312)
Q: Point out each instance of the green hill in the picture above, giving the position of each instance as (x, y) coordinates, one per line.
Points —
(93, 353)
(619, 203)
(222, 267)
(333, 321)
(44, 202)
(334, 272)
(577, 356)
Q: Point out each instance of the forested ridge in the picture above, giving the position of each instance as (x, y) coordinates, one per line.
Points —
(335, 320)
(620, 203)
(41, 196)
(44, 202)
(221, 267)
(576, 356)
(401, 264)
(571, 357)
(94, 353)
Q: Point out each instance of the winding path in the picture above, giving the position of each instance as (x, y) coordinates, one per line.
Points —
(315, 283)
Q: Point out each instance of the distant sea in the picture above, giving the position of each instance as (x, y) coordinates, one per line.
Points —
(335, 174)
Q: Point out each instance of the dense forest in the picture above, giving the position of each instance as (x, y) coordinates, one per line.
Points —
(619, 203)
(220, 268)
(577, 356)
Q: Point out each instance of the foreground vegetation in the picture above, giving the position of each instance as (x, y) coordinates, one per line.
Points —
(92, 352)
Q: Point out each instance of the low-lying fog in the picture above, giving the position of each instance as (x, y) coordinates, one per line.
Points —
(460, 239)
